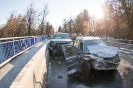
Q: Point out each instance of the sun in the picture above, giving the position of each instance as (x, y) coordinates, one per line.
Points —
(96, 12)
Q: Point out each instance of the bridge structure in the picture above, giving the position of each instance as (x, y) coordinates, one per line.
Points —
(24, 60)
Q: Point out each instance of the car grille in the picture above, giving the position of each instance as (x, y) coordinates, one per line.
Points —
(112, 58)
(107, 65)
(113, 61)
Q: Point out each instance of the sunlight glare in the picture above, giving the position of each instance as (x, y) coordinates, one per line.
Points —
(96, 12)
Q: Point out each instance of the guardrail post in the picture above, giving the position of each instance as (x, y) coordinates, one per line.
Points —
(25, 43)
(13, 46)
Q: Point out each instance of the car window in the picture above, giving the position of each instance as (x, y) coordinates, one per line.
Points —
(92, 43)
(60, 36)
(101, 42)
(71, 51)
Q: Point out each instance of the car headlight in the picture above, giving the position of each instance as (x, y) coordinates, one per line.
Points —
(98, 58)
(86, 58)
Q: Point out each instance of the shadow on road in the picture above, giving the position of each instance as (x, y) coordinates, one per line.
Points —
(97, 79)
(18, 64)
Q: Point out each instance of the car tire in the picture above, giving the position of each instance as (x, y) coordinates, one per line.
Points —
(86, 67)
(85, 71)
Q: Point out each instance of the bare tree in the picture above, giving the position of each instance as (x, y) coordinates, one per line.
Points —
(41, 18)
(65, 25)
(49, 29)
(31, 14)
(59, 29)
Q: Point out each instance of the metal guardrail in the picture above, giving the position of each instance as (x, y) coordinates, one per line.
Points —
(121, 43)
(15, 45)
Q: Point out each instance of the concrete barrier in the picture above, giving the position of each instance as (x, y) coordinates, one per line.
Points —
(34, 74)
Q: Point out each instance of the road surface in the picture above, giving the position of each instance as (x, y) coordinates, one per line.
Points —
(122, 77)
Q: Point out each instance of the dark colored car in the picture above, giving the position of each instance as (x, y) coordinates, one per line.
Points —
(60, 46)
(75, 60)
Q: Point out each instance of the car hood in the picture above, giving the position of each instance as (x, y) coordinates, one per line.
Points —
(103, 51)
(61, 40)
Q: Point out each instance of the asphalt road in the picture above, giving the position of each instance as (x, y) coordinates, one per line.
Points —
(122, 77)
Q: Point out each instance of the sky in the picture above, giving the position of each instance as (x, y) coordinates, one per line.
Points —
(58, 9)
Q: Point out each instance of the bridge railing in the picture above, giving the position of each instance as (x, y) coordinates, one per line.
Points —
(10, 47)
(121, 43)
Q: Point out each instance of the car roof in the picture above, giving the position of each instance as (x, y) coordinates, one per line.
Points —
(60, 33)
(89, 38)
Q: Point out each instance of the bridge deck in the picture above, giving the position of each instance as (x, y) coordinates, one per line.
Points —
(9, 72)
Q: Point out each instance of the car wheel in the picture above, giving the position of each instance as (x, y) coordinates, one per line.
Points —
(86, 67)
(85, 71)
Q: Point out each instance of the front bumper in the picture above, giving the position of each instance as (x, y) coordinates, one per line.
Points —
(106, 64)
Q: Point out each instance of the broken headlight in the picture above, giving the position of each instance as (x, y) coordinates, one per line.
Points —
(98, 58)
(86, 57)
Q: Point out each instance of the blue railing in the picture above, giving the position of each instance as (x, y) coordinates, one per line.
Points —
(14, 45)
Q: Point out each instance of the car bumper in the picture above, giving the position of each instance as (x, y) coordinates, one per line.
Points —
(105, 65)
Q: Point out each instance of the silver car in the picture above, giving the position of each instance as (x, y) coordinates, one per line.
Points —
(98, 53)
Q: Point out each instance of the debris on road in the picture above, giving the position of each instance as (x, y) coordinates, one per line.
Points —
(60, 75)
(59, 62)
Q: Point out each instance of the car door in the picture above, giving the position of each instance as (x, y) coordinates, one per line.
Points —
(73, 57)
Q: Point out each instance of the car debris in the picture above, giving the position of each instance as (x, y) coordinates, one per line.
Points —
(60, 75)
(59, 62)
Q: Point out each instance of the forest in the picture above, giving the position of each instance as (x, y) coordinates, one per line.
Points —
(33, 23)
(117, 22)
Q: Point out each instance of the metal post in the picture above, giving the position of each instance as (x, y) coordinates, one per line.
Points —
(13, 46)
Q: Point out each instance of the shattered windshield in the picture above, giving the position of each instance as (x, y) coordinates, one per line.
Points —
(92, 43)
(61, 36)
(95, 42)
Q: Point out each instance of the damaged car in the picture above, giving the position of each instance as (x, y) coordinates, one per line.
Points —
(75, 60)
(98, 53)
(61, 47)
(56, 42)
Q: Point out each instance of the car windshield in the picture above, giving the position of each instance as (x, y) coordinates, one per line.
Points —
(61, 36)
(93, 42)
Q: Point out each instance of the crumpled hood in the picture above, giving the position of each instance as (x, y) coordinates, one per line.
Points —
(103, 51)
(61, 40)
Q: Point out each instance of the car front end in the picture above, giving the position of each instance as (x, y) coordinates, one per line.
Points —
(56, 43)
(106, 63)
(101, 56)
